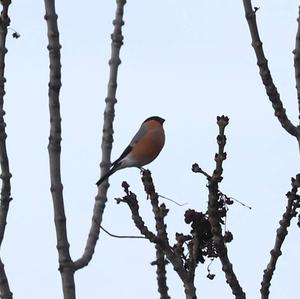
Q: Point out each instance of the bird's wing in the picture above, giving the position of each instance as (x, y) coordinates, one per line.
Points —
(124, 154)
(137, 137)
(140, 134)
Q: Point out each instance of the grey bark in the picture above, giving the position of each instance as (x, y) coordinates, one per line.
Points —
(281, 233)
(213, 214)
(66, 266)
(107, 137)
(265, 73)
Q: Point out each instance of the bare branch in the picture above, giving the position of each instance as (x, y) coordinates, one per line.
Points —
(281, 233)
(296, 53)
(107, 138)
(214, 215)
(5, 172)
(54, 148)
(132, 202)
(161, 273)
(185, 267)
(160, 211)
(173, 256)
(264, 71)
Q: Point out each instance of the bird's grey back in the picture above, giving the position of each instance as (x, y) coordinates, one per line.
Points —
(140, 133)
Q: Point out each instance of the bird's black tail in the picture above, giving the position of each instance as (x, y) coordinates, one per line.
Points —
(107, 175)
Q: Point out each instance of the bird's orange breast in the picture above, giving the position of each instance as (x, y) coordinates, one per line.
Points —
(150, 145)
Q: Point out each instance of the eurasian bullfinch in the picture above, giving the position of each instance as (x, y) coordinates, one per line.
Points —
(143, 148)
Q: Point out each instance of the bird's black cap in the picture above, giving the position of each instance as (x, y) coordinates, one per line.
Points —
(156, 118)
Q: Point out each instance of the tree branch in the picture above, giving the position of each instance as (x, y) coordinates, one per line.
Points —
(174, 257)
(54, 148)
(161, 273)
(107, 138)
(131, 200)
(264, 72)
(281, 233)
(296, 53)
(5, 172)
(214, 216)
(159, 213)
(5, 292)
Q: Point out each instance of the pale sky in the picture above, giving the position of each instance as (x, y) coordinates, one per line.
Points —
(186, 61)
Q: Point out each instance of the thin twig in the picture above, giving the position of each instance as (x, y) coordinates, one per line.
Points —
(281, 233)
(121, 237)
(107, 137)
(172, 200)
(264, 71)
(241, 203)
(213, 214)
(66, 266)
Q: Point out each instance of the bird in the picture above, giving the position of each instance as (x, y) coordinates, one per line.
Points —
(142, 149)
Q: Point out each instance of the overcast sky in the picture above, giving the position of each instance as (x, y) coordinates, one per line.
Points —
(186, 61)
